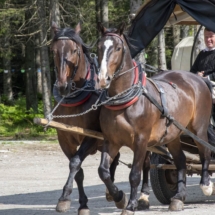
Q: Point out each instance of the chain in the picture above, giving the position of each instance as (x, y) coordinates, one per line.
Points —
(115, 76)
(97, 104)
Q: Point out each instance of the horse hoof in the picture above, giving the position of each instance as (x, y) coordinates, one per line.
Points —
(109, 198)
(143, 202)
(63, 206)
(122, 203)
(126, 212)
(176, 205)
(208, 190)
(84, 212)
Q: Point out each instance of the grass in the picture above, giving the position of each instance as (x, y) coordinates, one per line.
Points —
(17, 123)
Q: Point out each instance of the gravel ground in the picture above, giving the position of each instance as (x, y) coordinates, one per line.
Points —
(32, 175)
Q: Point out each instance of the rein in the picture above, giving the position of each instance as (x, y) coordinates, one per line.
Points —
(176, 123)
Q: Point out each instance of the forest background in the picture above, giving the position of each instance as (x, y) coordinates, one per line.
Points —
(26, 63)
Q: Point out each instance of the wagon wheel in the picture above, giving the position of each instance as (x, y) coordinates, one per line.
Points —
(163, 182)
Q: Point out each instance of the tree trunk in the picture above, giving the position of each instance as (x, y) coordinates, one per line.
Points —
(45, 69)
(31, 74)
(104, 13)
(54, 14)
(7, 76)
(176, 34)
(185, 31)
(98, 14)
(200, 44)
(38, 66)
(161, 51)
(7, 86)
(134, 7)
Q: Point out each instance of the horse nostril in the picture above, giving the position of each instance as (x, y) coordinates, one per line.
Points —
(108, 78)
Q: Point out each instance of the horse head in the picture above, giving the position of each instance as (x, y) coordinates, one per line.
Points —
(111, 53)
(68, 55)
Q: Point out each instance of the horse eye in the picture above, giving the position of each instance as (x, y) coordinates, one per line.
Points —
(74, 51)
(118, 48)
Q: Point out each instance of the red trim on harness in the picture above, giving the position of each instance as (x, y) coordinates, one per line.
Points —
(136, 73)
(78, 103)
(144, 79)
(119, 107)
(88, 73)
(86, 98)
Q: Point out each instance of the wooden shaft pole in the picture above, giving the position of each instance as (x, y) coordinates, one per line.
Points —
(69, 128)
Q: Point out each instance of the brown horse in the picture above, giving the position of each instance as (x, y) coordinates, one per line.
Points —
(74, 90)
(138, 123)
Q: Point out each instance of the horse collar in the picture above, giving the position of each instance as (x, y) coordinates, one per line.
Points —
(133, 94)
(81, 96)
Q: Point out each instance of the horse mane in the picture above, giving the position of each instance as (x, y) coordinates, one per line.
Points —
(72, 35)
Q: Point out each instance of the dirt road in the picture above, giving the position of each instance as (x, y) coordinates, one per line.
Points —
(32, 176)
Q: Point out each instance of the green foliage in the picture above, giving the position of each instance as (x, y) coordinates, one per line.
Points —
(2, 2)
(118, 12)
(15, 120)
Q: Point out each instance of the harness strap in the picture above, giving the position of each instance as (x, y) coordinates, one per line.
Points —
(132, 95)
(177, 124)
(163, 101)
(162, 96)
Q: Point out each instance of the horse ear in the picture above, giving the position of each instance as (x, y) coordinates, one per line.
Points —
(54, 27)
(78, 28)
(121, 28)
(101, 28)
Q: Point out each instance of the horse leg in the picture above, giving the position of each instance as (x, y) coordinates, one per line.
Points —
(135, 175)
(143, 201)
(113, 166)
(177, 201)
(205, 156)
(64, 202)
(109, 152)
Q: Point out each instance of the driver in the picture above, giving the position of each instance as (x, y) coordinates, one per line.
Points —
(204, 64)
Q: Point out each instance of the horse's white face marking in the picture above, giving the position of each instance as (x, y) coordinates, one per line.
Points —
(103, 69)
(62, 56)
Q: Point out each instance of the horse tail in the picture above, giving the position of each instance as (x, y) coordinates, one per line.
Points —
(211, 135)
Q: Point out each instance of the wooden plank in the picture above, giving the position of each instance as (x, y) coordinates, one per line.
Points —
(190, 167)
(74, 129)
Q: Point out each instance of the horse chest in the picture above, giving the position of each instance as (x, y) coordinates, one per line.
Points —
(116, 128)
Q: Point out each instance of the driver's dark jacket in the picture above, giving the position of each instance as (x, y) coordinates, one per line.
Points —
(205, 61)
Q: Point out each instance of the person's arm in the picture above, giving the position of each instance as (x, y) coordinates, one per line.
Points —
(208, 72)
(194, 68)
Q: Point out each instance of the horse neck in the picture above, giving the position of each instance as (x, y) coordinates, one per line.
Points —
(124, 81)
(82, 70)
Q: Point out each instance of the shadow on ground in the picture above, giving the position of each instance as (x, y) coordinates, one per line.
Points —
(43, 203)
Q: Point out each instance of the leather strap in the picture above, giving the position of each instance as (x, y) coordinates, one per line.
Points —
(177, 124)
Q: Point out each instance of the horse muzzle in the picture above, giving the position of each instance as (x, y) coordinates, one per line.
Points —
(104, 83)
(63, 88)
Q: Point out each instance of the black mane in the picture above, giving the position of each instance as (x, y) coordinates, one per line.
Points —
(71, 34)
